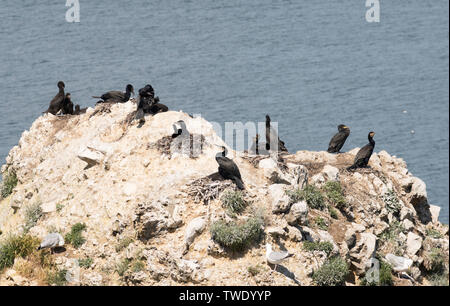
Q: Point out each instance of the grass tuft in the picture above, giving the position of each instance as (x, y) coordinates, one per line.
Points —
(123, 244)
(16, 246)
(324, 246)
(56, 278)
(85, 263)
(237, 236)
(321, 223)
(32, 214)
(8, 184)
(75, 237)
(332, 273)
(233, 202)
(334, 194)
(310, 194)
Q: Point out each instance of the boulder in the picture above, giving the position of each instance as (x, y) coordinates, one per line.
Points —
(298, 214)
(91, 156)
(362, 252)
(193, 229)
(435, 210)
(280, 200)
(413, 243)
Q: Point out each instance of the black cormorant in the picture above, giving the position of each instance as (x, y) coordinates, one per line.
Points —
(67, 105)
(338, 140)
(117, 96)
(157, 107)
(228, 169)
(57, 102)
(363, 156)
(272, 137)
(79, 111)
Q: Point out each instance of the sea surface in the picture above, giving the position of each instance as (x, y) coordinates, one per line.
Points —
(311, 65)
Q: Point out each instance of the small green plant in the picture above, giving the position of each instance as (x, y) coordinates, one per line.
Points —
(254, 270)
(333, 213)
(233, 202)
(324, 246)
(32, 214)
(384, 277)
(75, 237)
(310, 194)
(332, 273)
(237, 236)
(390, 238)
(321, 223)
(56, 278)
(16, 246)
(434, 233)
(334, 194)
(137, 266)
(439, 279)
(434, 260)
(59, 207)
(391, 201)
(123, 266)
(85, 263)
(123, 243)
(8, 184)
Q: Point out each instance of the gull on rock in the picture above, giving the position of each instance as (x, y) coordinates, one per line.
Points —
(276, 258)
(51, 241)
(400, 264)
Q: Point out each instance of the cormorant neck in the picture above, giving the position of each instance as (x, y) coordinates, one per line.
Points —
(372, 142)
(127, 94)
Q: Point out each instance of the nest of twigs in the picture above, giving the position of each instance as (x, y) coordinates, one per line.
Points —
(206, 189)
(164, 146)
(102, 108)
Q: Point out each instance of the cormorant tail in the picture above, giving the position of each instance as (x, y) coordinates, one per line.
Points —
(96, 97)
(239, 182)
(352, 167)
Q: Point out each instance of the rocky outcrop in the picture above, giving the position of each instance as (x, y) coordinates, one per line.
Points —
(148, 211)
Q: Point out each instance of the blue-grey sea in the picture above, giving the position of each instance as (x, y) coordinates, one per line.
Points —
(310, 64)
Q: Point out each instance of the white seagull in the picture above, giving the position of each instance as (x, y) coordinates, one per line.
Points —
(275, 258)
(399, 264)
(52, 240)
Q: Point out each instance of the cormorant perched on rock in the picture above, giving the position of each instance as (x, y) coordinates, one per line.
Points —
(57, 102)
(117, 96)
(79, 111)
(363, 156)
(158, 107)
(272, 138)
(148, 103)
(228, 169)
(338, 140)
(67, 108)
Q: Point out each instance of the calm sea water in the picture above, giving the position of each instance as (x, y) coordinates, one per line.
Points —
(311, 64)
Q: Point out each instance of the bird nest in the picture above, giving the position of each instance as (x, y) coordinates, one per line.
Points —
(102, 108)
(167, 146)
(254, 160)
(162, 145)
(207, 189)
